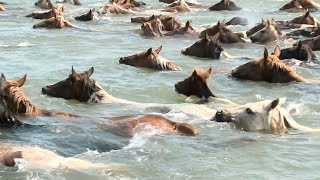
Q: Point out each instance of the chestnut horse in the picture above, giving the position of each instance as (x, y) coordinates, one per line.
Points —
(19, 103)
(196, 84)
(150, 59)
(269, 69)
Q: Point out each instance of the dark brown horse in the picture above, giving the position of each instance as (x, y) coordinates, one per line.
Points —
(20, 104)
(77, 86)
(304, 19)
(150, 59)
(237, 21)
(204, 48)
(196, 84)
(89, 16)
(293, 6)
(226, 5)
(314, 43)
(301, 52)
(128, 126)
(306, 32)
(269, 69)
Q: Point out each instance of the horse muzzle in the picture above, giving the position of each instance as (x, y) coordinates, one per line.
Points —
(220, 116)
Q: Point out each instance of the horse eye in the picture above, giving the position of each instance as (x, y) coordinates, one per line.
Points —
(249, 111)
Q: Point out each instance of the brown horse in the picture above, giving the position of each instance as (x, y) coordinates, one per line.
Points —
(212, 30)
(304, 19)
(150, 59)
(204, 48)
(196, 84)
(58, 21)
(267, 34)
(129, 125)
(225, 5)
(258, 27)
(20, 104)
(237, 21)
(306, 32)
(7, 117)
(44, 4)
(187, 29)
(227, 36)
(182, 8)
(49, 13)
(269, 69)
(153, 28)
(301, 52)
(170, 23)
(89, 16)
(293, 6)
(314, 43)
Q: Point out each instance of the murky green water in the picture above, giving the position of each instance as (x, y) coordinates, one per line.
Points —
(221, 153)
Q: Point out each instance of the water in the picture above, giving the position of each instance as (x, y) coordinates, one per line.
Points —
(222, 152)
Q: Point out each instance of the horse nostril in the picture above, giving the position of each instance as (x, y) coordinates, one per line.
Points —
(44, 90)
(176, 87)
(121, 60)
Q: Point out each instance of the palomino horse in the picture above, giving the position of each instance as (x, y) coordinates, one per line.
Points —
(226, 5)
(7, 118)
(150, 59)
(80, 87)
(264, 116)
(44, 4)
(20, 104)
(87, 17)
(301, 52)
(293, 6)
(269, 69)
(196, 84)
(48, 13)
(204, 48)
(129, 125)
(267, 34)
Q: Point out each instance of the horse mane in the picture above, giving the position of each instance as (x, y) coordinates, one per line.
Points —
(271, 63)
(17, 99)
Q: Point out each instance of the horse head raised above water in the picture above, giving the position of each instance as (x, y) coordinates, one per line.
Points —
(196, 84)
(49, 13)
(264, 116)
(187, 29)
(293, 6)
(226, 5)
(7, 117)
(306, 18)
(56, 22)
(213, 30)
(269, 69)
(267, 34)
(204, 48)
(77, 86)
(87, 17)
(153, 28)
(301, 52)
(150, 59)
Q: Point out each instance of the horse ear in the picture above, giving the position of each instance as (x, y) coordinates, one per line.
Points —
(174, 126)
(209, 71)
(188, 24)
(149, 51)
(74, 74)
(90, 71)
(307, 13)
(90, 11)
(262, 21)
(268, 22)
(2, 81)
(22, 80)
(158, 50)
(266, 53)
(275, 103)
(194, 73)
(277, 51)
(299, 45)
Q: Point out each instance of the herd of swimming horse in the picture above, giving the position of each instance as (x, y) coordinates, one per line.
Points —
(264, 116)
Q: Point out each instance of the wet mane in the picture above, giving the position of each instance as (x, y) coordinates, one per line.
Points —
(271, 63)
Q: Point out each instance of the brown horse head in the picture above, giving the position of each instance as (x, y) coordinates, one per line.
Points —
(142, 19)
(304, 19)
(48, 14)
(196, 84)
(187, 29)
(213, 30)
(267, 34)
(185, 129)
(86, 17)
(170, 23)
(153, 28)
(269, 69)
(204, 48)
(290, 5)
(44, 4)
(300, 52)
(227, 36)
(7, 118)
(314, 43)
(225, 5)
(149, 59)
(77, 86)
